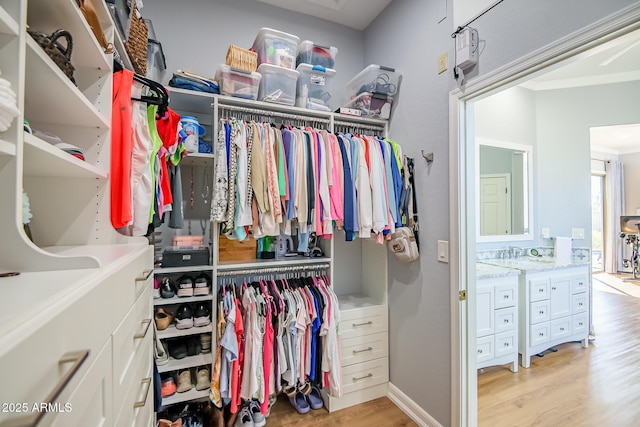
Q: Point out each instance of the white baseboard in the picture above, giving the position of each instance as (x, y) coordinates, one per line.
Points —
(411, 408)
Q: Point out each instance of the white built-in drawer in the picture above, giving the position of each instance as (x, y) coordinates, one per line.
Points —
(52, 350)
(580, 323)
(131, 342)
(363, 321)
(579, 283)
(505, 296)
(366, 374)
(579, 303)
(506, 343)
(361, 349)
(130, 281)
(485, 348)
(505, 319)
(538, 290)
(539, 333)
(138, 397)
(539, 311)
(560, 327)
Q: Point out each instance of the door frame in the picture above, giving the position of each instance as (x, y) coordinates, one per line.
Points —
(462, 228)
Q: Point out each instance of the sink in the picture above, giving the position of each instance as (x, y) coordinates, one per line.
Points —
(540, 259)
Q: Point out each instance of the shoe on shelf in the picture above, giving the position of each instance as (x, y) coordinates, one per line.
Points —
(258, 419)
(185, 286)
(205, 343)
(156, 287)
(163, 318)
(178, 349)
(203, 378)
(184, 381)
(244, 418)
(201, 315)
(201, 286)
(161, 353)
(184, 317)
(167, 288)
(168, 387)
(193, 346)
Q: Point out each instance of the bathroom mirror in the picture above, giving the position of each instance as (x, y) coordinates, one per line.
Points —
(503, 191)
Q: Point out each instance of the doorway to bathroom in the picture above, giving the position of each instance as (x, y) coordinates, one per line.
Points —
(597, 222)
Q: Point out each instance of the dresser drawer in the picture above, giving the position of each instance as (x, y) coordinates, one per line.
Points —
(579, 303)
(363, 321)
(485, 350)
(538, 290)
(51, 351)
(505, 296)
(363, 375)
(580, 323)
(505, 319)
(539, 333)
(539, 312)
(138, 397)
(560, 327)
(131, 343)
(506, 343)
(579, 283)
(361, 349)
(130, 281)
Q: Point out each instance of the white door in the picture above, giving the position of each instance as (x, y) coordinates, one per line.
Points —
(495, 204)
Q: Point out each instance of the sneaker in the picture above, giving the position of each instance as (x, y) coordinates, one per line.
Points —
(185, 287)
(184, 317)
(256, 415)
(201, 286)
(201, 315)
(163, 318)
(193, 346)
(161, 353)
(178, 349)
(168, 387)
(167, 288)
(184, 381)
(244, 418)
(203, 378)
(205, 343)
(156, 287)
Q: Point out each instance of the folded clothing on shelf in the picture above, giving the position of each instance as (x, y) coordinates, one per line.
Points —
(8, 105)
(58, 143)
(192, 81)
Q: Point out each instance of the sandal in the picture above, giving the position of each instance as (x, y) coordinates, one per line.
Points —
(315, 398)
(163, 318)
(297, 400)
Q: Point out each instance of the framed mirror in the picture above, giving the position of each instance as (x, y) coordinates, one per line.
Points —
(503, 191)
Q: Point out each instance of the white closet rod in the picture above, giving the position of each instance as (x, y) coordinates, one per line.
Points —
(283, 269)
(269, 113)
(357, 126)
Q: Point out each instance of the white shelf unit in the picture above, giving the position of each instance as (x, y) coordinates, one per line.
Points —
(187, 362)
(192, 394)
(173, 332)
(181, 300)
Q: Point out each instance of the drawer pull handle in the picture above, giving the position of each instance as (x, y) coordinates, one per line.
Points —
(561, 329)
(541, 311)
(145, 382)
(75, 357)
(541, 290)
(506, 344)
(553, 288)
(145, 275)
(479, 351)
(355, 325)
(579, 304)
(506, 297)
(362, 351)
(541, 334)
(580, 324)
(369, 375)
(139, 336)
(506, 320)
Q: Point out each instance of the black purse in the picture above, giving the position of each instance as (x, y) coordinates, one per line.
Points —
(60, 54)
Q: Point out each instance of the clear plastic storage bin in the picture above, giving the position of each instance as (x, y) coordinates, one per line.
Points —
(372, 105)
(310, 53)
(375, 79)
(156, 64)
(276, 48)
(315, 87)
(238, 83)
(278, 84)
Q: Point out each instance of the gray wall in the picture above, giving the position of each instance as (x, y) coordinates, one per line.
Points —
(631, 164)
(195, 35)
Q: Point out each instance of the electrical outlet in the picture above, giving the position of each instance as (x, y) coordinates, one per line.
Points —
(545, 233)
(577, 233)
(442, 63)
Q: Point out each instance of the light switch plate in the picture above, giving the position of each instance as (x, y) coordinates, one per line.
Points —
(545, 233)
(577, 233)
(443, 251)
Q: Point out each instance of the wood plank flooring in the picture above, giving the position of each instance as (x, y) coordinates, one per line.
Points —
(576, 387)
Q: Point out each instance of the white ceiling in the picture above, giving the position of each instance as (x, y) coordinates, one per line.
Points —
(356, 14)
(623, 139)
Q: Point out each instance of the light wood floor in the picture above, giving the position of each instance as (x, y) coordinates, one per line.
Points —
(576, 387)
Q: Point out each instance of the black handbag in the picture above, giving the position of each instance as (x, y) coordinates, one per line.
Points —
(60, 54)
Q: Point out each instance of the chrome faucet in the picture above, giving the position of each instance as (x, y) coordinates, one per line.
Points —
(515, 252)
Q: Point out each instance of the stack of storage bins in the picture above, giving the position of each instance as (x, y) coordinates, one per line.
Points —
(315, 65)
(156, 64)
(372, 91)
(276, 58)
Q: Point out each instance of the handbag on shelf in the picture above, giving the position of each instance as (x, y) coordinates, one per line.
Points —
(403, 245)
(90, 15)
(60, 54)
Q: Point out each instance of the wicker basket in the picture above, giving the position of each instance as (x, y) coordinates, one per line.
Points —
(137, 42)
(243, 59)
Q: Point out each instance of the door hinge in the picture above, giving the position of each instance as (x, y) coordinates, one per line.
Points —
(462, 295)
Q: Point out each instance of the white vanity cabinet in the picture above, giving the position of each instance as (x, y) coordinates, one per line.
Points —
(497, 320)
(553, 309)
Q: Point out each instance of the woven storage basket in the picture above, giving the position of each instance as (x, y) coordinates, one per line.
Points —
(137, 42)
(243, 59)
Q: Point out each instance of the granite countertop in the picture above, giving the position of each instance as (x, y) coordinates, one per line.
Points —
(528, 264)
(489, 271)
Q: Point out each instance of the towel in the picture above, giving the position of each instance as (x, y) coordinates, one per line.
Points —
(562, 250)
